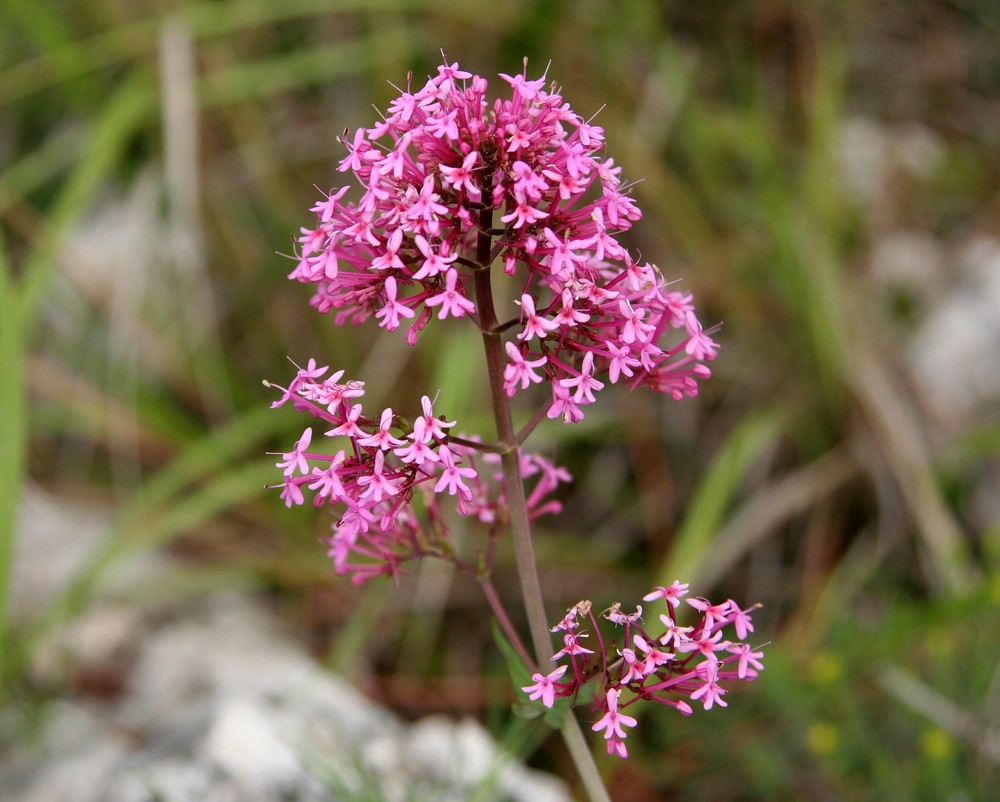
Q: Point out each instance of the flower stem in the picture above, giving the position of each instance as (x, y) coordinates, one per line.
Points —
(504, 620)
(517, 508)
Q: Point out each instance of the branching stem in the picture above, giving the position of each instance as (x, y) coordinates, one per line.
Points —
(517, 507)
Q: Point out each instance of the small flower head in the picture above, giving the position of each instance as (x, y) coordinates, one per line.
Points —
(696, 669)
(383, 466)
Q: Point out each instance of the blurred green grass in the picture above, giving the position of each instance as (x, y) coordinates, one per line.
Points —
(802, 478)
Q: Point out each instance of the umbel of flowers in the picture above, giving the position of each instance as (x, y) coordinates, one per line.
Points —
(677, 664)
(373, 478)
(409, 247)
(432, 174)
(451, 192)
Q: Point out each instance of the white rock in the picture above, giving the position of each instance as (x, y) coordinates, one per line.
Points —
(863, 158)
(221, 705)
(871, 154)
(75, 763)
(955, 354)
(910, 260)
(244, 744)
(457, 754)
(169, 780)
(55, 540)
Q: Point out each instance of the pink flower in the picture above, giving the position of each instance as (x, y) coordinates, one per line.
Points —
(327, 482)
(673, 632)
(390, 259)
(417, 451)
(291, 492)
(710, 693)
(434, 427)
(571, 646)
(535, 325)
(545, 686)
(444, 154)
(435, 262)
(613, 723)
(528, 183)
(749, 661)
(426, 209)
(382, 439)
(569, 621)
(451, 72)
(633, 668)
(564, 404)
(372, 483)
(295, 460)
(393, 309)
(712, 612)
(326, 209)
(520, 370)
(695, 672)
(349, 426)
(310, 372)
(524, 215)
(707, 645)
(454, 185)
(584, 384)
(526, 90)
(740, 619)
(452, 475)
(461, 177)
(451, 301)
(672, 594)
(378, 484)
(570, 314)
(654, 657)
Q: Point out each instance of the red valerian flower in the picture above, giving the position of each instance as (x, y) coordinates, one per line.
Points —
(408, 246)
(386, 462)
(700, 662)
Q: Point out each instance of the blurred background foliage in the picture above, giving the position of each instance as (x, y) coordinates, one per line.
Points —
(816, 173)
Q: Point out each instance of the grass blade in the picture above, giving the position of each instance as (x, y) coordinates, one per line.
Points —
(714, 495)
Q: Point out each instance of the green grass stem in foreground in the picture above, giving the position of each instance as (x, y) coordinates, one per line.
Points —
(13, 443)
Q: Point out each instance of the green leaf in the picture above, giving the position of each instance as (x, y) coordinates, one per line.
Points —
(519, 673)
(520, 676)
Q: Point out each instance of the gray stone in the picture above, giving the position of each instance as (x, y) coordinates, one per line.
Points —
(218, 703)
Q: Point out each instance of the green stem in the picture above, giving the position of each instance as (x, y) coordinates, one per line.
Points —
(504, 620)
(517, 507)
(13, 444)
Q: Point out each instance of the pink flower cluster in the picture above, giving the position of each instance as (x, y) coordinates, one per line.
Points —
(373, 479)
(682, 661)
(434, 171)
(454, 187)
